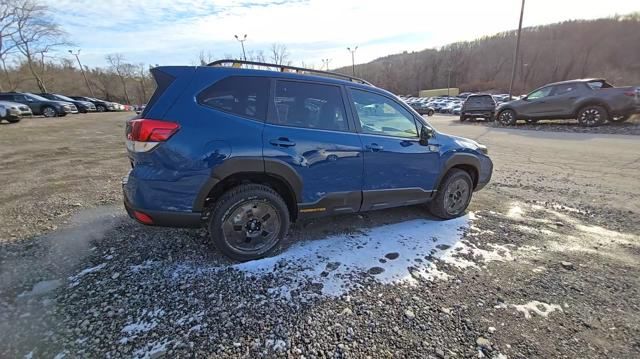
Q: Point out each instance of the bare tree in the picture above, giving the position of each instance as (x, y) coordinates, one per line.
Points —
(122, 70)
(279, 54)
(7, 30)
(35, 35)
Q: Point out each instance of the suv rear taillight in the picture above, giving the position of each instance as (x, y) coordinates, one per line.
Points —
(143, 135)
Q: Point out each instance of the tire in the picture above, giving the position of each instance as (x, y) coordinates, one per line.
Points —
(13, 120)
(49, 111)
(619, 119)
(100, 108)
(239, 230)
(507, 117)
(430, 113)
(592, 115)
(462, 118)
(453, 196)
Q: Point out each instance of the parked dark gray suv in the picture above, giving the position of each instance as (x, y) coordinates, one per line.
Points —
(591, 101)
(40, 105)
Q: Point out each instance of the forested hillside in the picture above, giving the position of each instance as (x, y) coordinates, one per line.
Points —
(607, 48)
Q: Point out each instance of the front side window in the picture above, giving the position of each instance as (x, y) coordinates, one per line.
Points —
(242, 96)
(543, 92)
(309, 105)
(379, 115)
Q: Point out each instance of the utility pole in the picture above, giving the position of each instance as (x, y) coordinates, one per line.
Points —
(353, 59)
(448, 81)
(515, 53)
(244, 38)
(326, 62)
(86, 81)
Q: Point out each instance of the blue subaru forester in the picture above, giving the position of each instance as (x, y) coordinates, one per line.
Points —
(246, 148)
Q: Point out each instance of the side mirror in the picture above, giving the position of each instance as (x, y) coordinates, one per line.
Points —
(426, 133)
(525, 98)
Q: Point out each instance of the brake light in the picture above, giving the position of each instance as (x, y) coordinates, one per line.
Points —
(144, 130)
(143, 217)
(144, 134)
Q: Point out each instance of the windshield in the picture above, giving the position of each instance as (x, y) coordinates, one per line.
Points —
(480, 100)
(36, 97)
(63, 98)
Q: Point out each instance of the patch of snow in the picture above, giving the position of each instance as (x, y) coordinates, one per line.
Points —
(515, 212)
(151, 350)
(76, 278)
(497, 253)
(540, 308)
(335, 262)
(144, 265)
(42, 287)
(29, 355)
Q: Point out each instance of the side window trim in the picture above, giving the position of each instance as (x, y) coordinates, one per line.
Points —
(356, 118)
(272, 115)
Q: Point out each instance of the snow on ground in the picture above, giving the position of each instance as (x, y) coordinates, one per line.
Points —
(75, 280)
(391, 253)
(539, 308)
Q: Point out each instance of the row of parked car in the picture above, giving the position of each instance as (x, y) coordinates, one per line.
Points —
(447, 104)
(591, 101)
(16, 105)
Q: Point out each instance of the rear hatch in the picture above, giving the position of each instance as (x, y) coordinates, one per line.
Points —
(479, 103)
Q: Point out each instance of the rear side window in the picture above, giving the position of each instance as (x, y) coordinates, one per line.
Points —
(163, 81)
(302, 104)
(565, 89)
(240, 95)
(600, 84)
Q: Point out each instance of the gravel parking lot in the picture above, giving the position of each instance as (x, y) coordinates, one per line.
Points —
(546, 263)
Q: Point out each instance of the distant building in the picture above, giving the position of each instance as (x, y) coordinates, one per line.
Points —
(452, 91)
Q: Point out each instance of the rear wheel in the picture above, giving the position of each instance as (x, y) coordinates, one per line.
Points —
(453, 196)
(592, 115)
(462, 118)
(619, 118)
(49, 111)
(430, 113)
(100, 108)
(248, 222)
(13, 120)
(507, 118)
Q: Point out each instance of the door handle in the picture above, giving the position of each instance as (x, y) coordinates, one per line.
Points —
(374, 147)
(282, 142)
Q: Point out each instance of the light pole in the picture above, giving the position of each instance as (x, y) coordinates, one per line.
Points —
(326, 62)
(353, 59)
(244, 38)
(86, 81)
(515, 53)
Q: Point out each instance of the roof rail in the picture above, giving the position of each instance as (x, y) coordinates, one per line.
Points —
(287, 68)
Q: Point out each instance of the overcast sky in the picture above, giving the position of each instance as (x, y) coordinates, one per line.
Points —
(173, 32)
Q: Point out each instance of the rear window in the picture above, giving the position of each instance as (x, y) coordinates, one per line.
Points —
(163, 81)
(240, 95)
(302, 104)
(480, 100)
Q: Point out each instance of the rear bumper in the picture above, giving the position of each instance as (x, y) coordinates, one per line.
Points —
(161, 218)
(478, 113)
(165, 218)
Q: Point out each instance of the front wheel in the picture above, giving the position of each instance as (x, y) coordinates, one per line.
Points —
(619, 119)
(13, 120)
(592, 115)
(49, 111)
(507, 118)
(101, 108)
(248, 222)
(430, 113)
(462, 118)
(453, 196)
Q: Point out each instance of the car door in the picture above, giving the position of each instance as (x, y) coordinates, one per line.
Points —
(309, 130)
(562, 99)
(398, 170)
(535, 104)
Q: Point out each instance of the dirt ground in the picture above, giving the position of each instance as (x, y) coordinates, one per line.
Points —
(546, 263)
